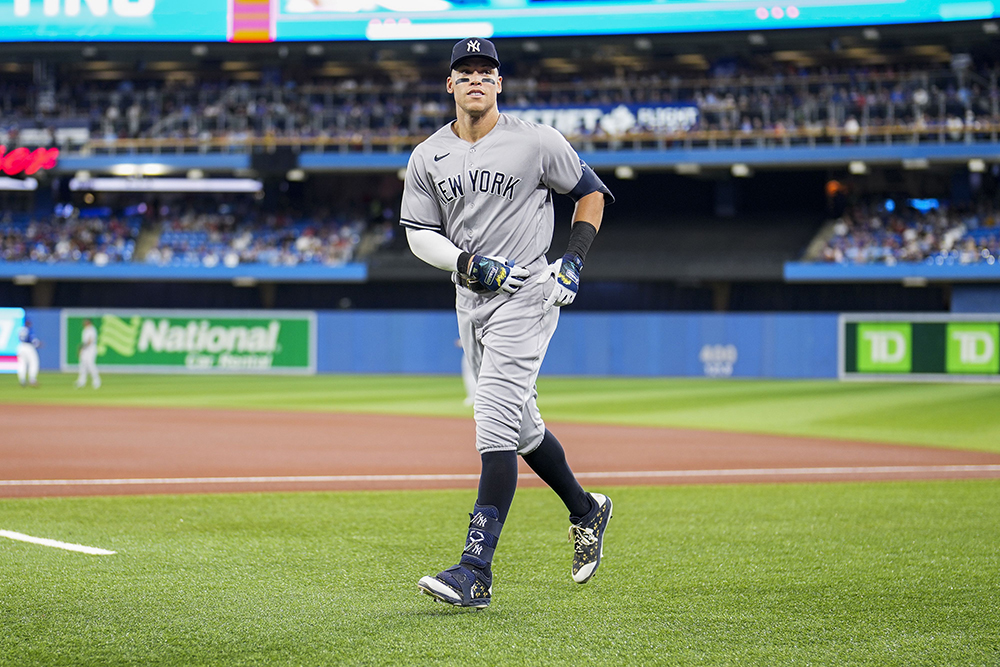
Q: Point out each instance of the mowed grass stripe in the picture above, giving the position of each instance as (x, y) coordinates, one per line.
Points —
(963, 416)
(890, 573)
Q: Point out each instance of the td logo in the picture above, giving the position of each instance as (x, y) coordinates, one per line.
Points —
(885, 347)
(973, 347)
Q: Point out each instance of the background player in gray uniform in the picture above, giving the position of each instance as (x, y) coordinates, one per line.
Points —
(478, 202)
(87, 354)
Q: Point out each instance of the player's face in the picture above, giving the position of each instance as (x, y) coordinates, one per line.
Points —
(475, 83)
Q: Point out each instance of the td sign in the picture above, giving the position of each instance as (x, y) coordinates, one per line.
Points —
(973, 347)
(885, 347)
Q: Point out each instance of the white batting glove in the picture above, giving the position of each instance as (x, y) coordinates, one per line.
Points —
(566, 271)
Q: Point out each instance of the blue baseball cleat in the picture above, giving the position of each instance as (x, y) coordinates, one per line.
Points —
(587, 537)
(460, 585)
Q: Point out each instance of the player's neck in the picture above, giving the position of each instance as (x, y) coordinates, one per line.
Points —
(473, 128)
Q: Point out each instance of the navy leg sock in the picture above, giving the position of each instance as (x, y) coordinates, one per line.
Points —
(549, 463)
(498, 481)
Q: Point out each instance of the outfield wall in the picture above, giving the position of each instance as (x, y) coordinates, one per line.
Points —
(749, 345)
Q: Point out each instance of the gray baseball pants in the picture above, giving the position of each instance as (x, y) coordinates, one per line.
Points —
(505, 337)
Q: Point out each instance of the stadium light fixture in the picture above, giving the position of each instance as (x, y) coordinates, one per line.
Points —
(740, 170)
(687, 168)
(977, 165)
(154, 169)
(857, 167)
(624, 173)
(166, 185)
(296, 175)
(914, 164)
(195, 174)
(18, 184)
(123, 170)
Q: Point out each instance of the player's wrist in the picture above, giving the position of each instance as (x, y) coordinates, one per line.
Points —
(464, 263)
(580, 238)
(574, 259)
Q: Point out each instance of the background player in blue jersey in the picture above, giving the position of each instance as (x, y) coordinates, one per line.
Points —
(27, 355)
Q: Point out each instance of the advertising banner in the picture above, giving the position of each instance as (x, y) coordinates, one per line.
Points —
(113, 20)
(920, 347)
(11, 321)
(171, 341)
(613, 120)
(456, 19)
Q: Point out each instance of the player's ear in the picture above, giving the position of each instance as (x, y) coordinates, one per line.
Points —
(499, 82)
(450, 86)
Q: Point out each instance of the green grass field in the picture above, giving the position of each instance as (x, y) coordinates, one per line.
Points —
(901, 573)
(963, 416)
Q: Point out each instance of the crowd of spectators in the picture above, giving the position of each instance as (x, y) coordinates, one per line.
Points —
(184, 234)
(890, 231)
(222, 237)
(70, 235)
(729, 98)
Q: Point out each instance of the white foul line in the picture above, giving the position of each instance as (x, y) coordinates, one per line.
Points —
(460, 477)
(94, 551)
(767, 472)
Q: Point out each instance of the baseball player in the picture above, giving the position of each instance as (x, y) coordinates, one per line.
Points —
(27, 355)
(477, 202)
(87, 354)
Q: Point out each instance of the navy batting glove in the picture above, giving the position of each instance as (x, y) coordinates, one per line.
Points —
(497, 274)
(566, 271)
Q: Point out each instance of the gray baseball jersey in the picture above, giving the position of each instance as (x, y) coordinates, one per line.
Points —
(493, 197)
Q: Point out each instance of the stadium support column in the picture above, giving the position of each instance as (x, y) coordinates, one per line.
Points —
(42, 293)
(267, 294)
(721, 291)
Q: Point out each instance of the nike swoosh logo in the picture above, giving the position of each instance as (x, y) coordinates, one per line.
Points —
(438, 158)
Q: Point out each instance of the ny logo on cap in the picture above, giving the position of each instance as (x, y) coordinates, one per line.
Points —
(473, 46)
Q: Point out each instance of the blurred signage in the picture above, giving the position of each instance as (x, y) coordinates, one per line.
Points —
(454, 19)
(114, 20)
(935, 347)
(718, 360)
(612, 120)
(144, 341)
(251, 21)
(166, 185)
(96, 8)
(375, 20)
(27, 161)
(11, 321)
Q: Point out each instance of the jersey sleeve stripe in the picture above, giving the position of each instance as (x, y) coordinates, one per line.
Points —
(406, 222)
(590, 182)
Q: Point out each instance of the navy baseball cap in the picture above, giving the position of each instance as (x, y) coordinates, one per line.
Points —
(474, 47)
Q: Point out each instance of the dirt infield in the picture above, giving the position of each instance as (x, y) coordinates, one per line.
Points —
(59, 450)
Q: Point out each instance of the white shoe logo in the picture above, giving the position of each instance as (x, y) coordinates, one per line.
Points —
(475, 545)
(473, 45)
